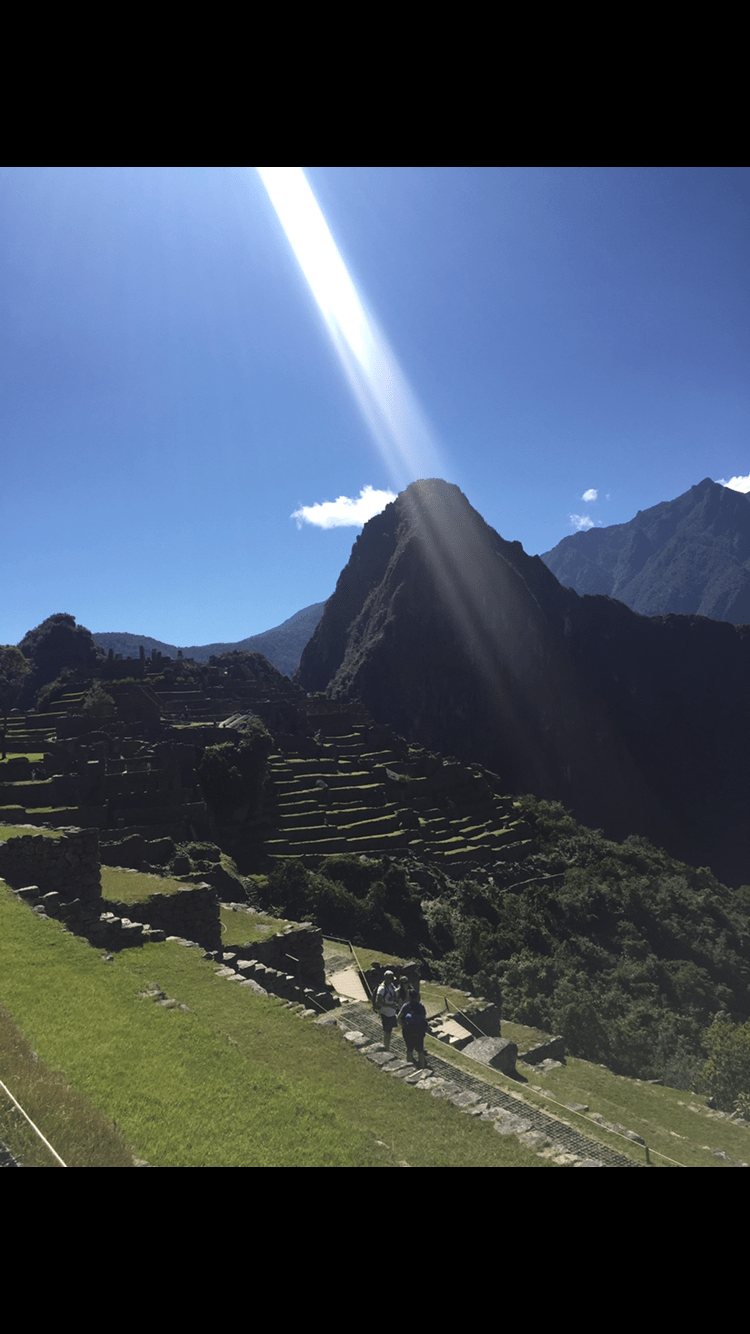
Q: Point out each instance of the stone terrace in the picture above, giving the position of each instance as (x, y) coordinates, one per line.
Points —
(359, 788)
(337, 782)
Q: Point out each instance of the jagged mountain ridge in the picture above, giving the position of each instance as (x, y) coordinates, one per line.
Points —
(689, 555)
(282, 645)
(464, 643)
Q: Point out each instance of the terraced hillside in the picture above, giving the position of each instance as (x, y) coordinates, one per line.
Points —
(364, 790)
(336, 782)
(131, 767)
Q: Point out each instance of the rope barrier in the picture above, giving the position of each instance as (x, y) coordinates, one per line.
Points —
(342, 940)
(568, 1110)
(46, 1142)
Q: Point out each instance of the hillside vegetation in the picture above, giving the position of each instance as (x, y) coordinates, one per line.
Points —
(621, 949)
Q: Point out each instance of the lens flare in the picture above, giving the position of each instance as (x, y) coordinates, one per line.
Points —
(477, 590)
(388, 404)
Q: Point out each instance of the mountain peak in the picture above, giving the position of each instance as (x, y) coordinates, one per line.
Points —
(466, 645)
(690, 555)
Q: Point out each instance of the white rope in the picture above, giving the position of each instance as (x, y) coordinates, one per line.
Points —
(31, 1123)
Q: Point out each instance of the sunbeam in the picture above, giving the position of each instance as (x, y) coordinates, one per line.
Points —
(403, 437)
(390, 408)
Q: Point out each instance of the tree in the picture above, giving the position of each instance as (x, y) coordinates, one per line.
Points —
(13, 670)
(54, 645)
(726, 1075)
(232, 774)
(97, 703)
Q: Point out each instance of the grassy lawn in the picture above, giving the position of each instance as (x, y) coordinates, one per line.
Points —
(238, 927)
(53, 810)
(20, 830)
(233, 1079)
(78, 1132)
(123, 886)
(676, 1125)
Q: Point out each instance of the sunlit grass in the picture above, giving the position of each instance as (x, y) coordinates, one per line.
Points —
(26, 830)
(123, 886)
(77, 1131)
(232, 1079)
(238, 926)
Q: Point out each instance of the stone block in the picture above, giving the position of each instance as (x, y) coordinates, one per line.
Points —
(447, 1030)
(553, 1050)
(480, 1020)
(500, 1053)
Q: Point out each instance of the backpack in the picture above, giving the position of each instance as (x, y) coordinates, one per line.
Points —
(390, 997)
(414, 1015)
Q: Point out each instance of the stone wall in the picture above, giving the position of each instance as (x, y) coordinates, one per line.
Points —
(62, 876)
(69, 864)
(193, 913)
(289, 964)
(297, 950)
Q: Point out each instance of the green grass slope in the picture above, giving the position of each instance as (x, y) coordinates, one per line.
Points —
(222, 1078)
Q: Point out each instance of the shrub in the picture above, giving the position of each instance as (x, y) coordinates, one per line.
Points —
(55, 644)
(97, 703)
(232, 774)
(726, 1075)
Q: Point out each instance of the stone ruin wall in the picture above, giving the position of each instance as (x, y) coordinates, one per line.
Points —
(69, 864)
(193, 913)
(61, 877)
(69, 867)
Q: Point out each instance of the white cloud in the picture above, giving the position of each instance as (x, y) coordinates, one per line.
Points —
(345, 512)
(737, 483)
(581, 522)
(590, 495)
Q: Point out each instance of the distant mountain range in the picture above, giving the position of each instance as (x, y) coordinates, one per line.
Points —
(689, 555)
(465, 644)
(282, 646)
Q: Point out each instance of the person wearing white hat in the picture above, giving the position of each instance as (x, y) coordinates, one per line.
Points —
(386, 1004)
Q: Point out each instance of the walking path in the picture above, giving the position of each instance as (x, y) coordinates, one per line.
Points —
(511, 1115)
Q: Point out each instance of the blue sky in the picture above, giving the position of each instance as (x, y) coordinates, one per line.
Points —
(176, 415)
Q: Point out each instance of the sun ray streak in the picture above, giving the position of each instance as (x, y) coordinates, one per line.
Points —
(387, 402)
